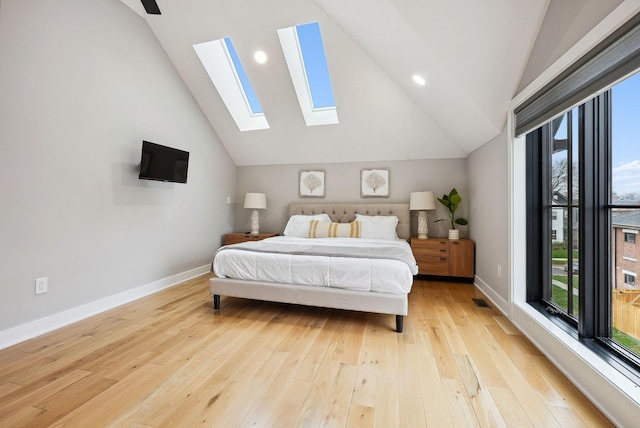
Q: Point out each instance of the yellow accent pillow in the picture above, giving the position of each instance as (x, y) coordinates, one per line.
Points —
(319, 229)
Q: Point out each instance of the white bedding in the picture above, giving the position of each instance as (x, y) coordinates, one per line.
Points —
(354, 273)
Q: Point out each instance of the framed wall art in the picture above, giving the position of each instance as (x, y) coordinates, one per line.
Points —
(311, 184)
(374, 183)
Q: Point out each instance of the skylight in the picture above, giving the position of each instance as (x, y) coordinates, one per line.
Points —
(244, 80)
(305, 56)
(225, 70)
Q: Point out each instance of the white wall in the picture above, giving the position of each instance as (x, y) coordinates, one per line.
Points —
(83, 82)
(280, 183)
(489, 215)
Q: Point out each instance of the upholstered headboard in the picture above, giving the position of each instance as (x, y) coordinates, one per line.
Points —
(345, 213)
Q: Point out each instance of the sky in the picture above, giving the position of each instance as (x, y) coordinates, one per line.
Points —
(625, 150)
(626, 136)
(315, 64)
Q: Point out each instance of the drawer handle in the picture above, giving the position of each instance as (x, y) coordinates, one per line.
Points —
(443, 258)
(442, 251)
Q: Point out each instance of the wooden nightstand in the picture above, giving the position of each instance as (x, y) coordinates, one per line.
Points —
(237, 237)
(444, 257)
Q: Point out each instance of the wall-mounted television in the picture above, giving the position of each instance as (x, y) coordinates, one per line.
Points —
(163, 163)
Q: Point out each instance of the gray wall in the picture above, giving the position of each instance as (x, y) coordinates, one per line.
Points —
(489, 212)
(280, 183)
(83, 83)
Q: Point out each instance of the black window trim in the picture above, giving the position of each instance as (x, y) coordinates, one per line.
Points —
(593, 325)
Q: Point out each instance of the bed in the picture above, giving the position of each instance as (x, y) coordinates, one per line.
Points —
(367, 274)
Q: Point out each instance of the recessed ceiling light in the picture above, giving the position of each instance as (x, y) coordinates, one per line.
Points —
(260, 57)
(419, 80)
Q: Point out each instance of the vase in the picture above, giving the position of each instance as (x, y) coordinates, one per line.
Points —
(454, 234)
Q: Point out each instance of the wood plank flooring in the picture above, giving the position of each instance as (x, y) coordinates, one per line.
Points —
(170, 360)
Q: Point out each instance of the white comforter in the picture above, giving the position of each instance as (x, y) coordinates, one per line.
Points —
(355, 273)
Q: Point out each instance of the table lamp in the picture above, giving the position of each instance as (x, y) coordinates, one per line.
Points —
(421, 202)
(255, 202)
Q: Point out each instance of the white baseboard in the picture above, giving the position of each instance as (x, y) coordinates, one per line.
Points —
(501, 304)
(44, 325)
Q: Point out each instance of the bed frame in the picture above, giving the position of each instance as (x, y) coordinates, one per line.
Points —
(336, 298)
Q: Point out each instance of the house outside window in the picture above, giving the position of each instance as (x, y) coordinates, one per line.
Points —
(630, 237)
(558, 219)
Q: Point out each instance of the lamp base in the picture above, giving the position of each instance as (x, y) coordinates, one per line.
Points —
(255, 222)
(423, 226)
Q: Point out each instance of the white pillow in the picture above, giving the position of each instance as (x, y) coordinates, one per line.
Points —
(378, 227)
(298, 225)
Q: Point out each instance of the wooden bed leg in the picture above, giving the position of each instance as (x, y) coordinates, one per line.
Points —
(216, 301)
(399, 323)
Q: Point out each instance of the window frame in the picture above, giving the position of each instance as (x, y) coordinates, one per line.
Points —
(593, 325)
(628, 275)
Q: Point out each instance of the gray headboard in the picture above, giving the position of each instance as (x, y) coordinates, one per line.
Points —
(345, 213)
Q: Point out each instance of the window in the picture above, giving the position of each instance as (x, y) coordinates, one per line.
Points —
(554, 215)
(630, 279)
(222, 63)
(304, 52)
(586, 162)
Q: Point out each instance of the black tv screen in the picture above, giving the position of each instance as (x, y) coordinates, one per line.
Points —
(163, 163)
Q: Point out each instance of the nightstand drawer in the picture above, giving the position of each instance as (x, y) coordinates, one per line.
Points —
(433, 265)
(430, 251)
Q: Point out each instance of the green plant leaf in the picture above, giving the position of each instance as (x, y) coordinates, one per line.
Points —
(444, 201)
(451, 202)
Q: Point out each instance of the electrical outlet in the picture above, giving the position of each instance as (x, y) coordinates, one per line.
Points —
(499, 271)
(42, 285)
(228, 200)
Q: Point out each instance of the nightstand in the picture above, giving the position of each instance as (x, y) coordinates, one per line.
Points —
(444, 257)
(237, 237)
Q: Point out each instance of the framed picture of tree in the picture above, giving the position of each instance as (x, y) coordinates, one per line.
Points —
(311, 184)
(374, 183)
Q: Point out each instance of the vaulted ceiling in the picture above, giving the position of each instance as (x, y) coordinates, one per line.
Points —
(472, 54)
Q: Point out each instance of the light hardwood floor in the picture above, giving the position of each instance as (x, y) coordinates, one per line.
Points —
(171, 360)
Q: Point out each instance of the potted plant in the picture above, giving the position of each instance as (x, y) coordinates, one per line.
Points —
(451, 202)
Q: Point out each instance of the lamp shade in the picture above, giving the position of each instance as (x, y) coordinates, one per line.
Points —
(256, 201)
(421, 201)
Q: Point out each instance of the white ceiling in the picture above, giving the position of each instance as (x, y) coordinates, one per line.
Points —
(472, 53)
